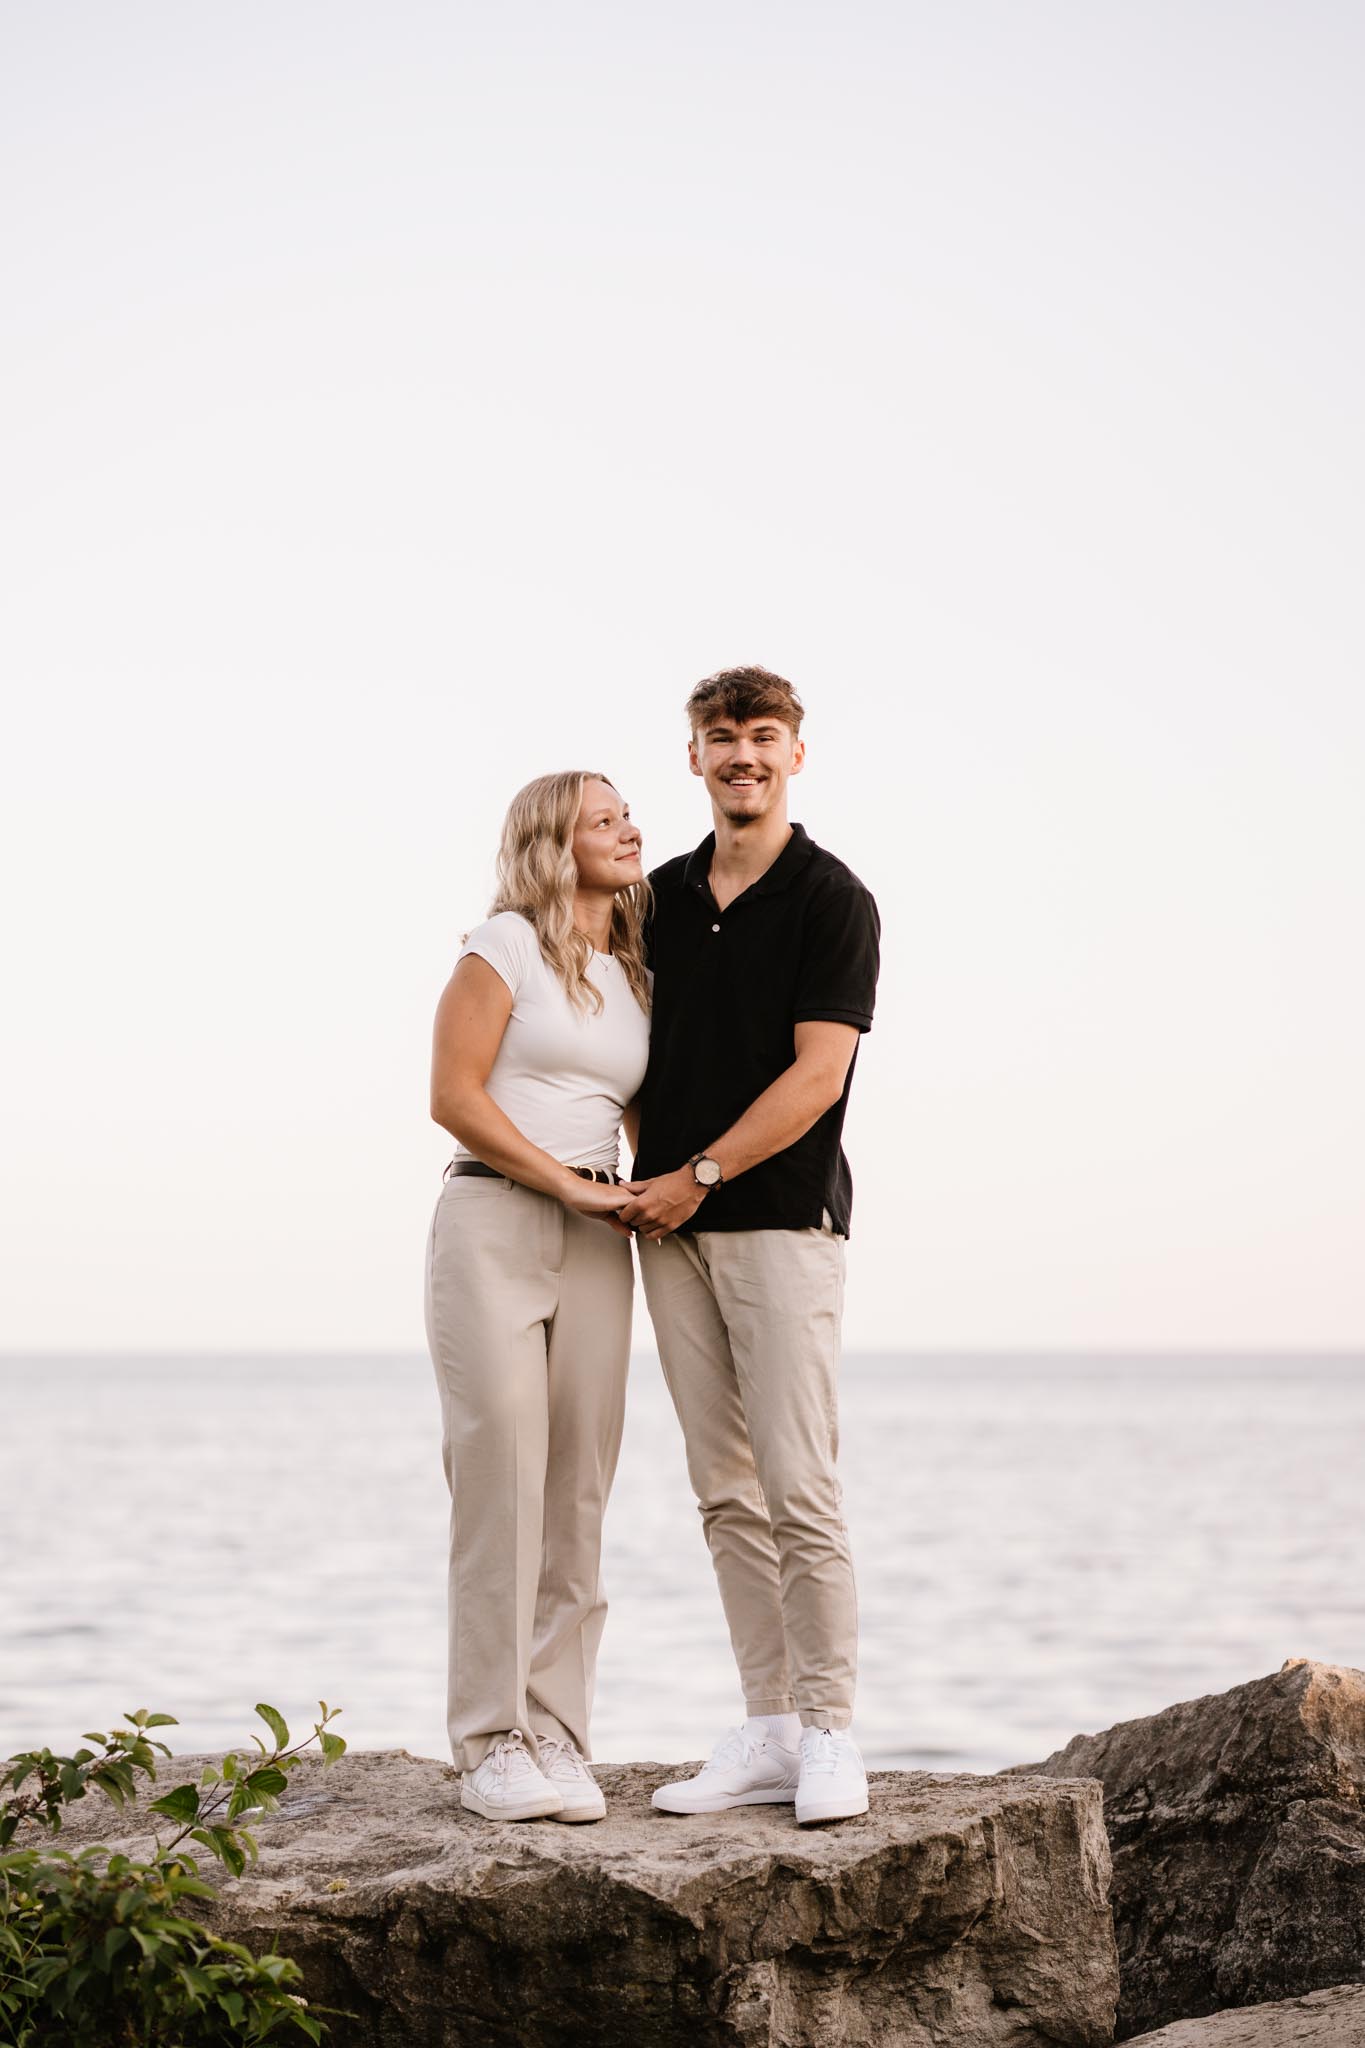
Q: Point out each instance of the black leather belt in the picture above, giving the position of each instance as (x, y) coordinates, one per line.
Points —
(597, 1173)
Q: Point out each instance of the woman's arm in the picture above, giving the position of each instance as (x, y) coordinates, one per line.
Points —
(471, 1018)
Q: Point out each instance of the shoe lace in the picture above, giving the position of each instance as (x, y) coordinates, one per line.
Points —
(736, 1746)
(559, 1758)
(820, 1751)
(510, 1758)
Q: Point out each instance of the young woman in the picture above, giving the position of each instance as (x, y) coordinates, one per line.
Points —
(541, 1040)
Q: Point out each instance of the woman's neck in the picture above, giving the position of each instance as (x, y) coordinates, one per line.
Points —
(592, 916)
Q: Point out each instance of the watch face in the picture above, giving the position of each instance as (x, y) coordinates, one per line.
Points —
(707, 1172)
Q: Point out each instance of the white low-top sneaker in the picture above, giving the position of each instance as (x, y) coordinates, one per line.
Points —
(508, 1785)
(833, 1782)
(565, 1769)
(744, 1770)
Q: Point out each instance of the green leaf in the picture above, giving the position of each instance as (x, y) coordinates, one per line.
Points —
(161, 1721)
(210, 1775)
(266, 1783)
(112, 1783)
(275, 1722)
(333, 1746)
(180, 1805)
(115, 1939)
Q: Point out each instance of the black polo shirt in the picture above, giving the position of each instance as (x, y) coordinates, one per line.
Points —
(730, 986)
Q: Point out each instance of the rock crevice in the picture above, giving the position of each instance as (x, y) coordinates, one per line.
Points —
(1237, 1827)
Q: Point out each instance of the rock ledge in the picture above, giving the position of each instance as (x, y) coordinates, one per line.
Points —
(964, 1911)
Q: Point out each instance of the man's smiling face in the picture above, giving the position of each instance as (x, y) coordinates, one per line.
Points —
(746, 765)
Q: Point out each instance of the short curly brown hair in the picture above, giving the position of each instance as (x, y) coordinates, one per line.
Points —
(743, 694)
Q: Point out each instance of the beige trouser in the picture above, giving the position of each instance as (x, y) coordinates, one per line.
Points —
(528, 1318)
(748, 1330)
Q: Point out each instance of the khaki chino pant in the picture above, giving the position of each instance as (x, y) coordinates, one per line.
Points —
(528, 1317)
(748, 1329)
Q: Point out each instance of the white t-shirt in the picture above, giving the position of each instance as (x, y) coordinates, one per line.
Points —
(562, 1075)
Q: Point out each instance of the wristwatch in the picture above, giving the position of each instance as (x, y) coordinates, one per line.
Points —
(705, 1172)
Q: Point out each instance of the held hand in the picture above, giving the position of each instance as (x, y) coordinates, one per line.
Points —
(661, 1205)
(613, 1222)
(594, 1198)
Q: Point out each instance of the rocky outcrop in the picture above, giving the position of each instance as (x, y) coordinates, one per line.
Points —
(964, 1911)
(1324, 2019)
(1237, 1826)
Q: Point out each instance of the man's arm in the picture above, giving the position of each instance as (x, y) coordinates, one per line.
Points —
(784, 1112)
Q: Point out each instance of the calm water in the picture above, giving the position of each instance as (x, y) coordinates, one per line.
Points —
(1042, 1547)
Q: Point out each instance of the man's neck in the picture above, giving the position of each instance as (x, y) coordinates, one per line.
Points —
(744, 852)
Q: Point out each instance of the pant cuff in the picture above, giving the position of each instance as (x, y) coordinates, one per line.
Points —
(543, 1724)
(782, 1703)
(470, 1753)
(826, 1717)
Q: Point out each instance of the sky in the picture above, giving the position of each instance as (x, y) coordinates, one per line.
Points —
(401, 402)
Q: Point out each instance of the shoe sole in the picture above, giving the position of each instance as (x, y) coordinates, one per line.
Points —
(540, 1809)
(723, 1805)
(822, 1814)
(579, 1818)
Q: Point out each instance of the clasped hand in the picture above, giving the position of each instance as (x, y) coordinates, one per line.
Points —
(658, 1206)
(651, 1208)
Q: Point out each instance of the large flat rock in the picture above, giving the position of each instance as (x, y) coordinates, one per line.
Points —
(1324, 2019)
(1237, 1825)
(964, 1911)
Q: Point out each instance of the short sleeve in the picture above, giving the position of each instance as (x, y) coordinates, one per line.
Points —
(836, 982)
(508, 943)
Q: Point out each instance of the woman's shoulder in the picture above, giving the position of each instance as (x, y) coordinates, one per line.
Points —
(507, 940)
(509, 927)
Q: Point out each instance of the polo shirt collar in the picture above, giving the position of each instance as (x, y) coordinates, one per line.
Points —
(780, 875)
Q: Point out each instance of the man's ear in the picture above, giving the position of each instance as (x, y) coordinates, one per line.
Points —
(798, 756)
(693, 763)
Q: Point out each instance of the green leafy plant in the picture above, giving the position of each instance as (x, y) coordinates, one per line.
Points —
(98, 1950)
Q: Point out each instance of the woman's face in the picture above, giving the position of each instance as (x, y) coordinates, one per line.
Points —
(606, 846)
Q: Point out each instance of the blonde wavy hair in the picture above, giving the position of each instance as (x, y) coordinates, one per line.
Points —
(537, 877)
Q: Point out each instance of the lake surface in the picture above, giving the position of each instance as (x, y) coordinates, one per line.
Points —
(1043, 1546)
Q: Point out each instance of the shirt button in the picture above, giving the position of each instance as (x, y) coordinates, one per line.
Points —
(715, 927)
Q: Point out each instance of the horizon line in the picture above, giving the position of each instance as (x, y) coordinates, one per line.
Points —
(1351, 1353)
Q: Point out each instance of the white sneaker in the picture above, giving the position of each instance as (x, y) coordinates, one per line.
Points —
(564, 1768)
(745, 1769)
(508, 1786)
(833, 1782)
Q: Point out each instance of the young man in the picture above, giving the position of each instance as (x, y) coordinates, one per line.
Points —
(765, 968)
